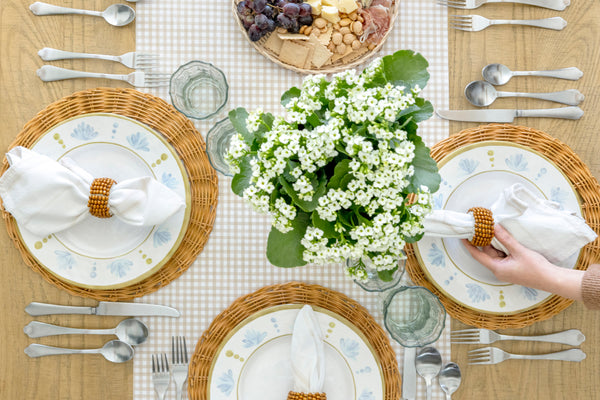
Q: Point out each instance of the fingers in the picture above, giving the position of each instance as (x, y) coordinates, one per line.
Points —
(477, 254)
(504, 237)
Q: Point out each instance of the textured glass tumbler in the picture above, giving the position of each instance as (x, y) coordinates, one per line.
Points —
(198, 89)
(217, 144)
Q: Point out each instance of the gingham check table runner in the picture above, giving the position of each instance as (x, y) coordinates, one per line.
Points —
(233, 262)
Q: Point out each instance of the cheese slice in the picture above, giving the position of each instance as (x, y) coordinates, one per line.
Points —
(330, 13)
(347, 6)
(331, 3)
(315, 5)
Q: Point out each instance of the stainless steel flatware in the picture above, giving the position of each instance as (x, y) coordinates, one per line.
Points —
(104, 308)
(449, 379)
(115, 14)
(493, 355)
(508, 115)
(428, 364)
(557, 5)
(476, 23)
(50, 73)
(572, 337)
(161, 377)
(179, 364)
(131, 331)
(114, 351)
(130, 60)
(409, 374)
(481, 94)
(499, 74)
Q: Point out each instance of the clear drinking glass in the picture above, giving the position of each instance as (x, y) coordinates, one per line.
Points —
(198, 89)
(217, 144)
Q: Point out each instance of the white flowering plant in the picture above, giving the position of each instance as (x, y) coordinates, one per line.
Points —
(345, 175)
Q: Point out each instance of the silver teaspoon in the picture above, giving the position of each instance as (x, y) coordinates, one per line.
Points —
(131, 331)
(449, 379)
(116, 14)
(428, 364)
(114, 351)
(481, 94)
(499, 74)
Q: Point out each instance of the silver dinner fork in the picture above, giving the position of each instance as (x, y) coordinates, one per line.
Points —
(557, 5)
(476, 23)
(179, 363)
(49, 73)
(160, 374)
(572, 337)
(130, 60)
(493, 355)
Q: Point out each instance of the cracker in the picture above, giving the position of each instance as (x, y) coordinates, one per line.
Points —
(309, 58)
(321, 55)
(355, 54)
(325, 37)
(274, 43)
(294, 53)
(338, 56)
(292, 36)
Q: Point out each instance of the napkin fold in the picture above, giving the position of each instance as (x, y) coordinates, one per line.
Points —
(307, 352)
(46, 196)
(538, 224)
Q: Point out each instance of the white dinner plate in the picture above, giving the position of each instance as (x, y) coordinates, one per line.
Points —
(253, 362)
(474, 176)
(107, 253)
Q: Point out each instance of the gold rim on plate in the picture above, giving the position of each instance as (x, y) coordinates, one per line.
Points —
(581, 179)
(244, 307)
(179, 133)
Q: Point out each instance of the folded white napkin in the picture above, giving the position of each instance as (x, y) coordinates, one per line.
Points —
(308, 353)
(536, 223)
(46, 196)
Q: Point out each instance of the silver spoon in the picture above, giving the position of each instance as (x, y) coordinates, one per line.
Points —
(498, 74)
(450, 379)
(481, 94)
(428, 364)
(116, 14)
(131, 331)
(114, 351)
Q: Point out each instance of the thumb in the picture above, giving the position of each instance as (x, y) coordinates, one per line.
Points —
(507, 240)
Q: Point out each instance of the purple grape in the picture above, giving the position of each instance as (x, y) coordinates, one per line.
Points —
(254, 33)
(269, 12)
(305, 9)
(261, 21)
(270, 26)
(247, 21)
(305, 20)
(295, 28)
(259, 5)
(291, 10)
(284, 21)
(243, 9)
(281, 3)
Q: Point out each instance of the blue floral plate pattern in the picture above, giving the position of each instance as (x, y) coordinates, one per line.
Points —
(254, 360)
(472, 176)
(107, 253)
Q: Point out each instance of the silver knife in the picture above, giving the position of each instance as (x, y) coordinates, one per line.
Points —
(504, 115)
(409, 374)
(104, 308)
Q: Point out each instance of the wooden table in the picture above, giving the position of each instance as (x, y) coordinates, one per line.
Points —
(23, 95)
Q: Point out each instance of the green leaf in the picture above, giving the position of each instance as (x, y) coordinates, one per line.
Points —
(341, 170)
(327, 227)
(420, 111)
(241, 181)
(426, 170)
(284, 249)
(406, 68)
(238, 120)
(308, 206)
(289, 95)
(314, 120)
(387, 274)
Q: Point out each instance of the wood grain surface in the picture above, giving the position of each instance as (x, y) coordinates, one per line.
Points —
(91, 377)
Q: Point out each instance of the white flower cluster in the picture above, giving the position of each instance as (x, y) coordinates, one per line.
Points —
(367, 208)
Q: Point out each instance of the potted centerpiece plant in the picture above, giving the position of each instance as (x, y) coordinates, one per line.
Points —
(345, 174)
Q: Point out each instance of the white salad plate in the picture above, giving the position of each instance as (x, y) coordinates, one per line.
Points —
(254, 363)
(474, 176)
(108, 253)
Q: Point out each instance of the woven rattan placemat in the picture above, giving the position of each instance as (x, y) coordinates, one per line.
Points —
(290, 293)
(574, 169)
(179, 132)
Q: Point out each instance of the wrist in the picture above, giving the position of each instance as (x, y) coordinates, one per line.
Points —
(563, 281)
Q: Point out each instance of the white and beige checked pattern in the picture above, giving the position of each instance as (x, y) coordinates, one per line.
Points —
(233, 262)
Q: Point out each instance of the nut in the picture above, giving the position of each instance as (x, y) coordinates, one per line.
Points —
(371, 46)
(331, 47)
(320, 23)
(357, 27)
(349, 38)
(308, 30)
(302, 29)
(337, 38)
(345, 30)
(340, 48)
(345, 22)
(361, 19)
(353, 16)
(356, 44)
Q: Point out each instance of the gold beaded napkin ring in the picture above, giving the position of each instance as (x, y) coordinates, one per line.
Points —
(98, 200)
(484, 226)
(306, 396)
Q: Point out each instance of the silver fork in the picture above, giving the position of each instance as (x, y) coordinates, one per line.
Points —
(557, 5)
(179, 363)
(160, 374)
(572, 337)
(49, 73)
(130, 60)
(476, 23)
(493, 355)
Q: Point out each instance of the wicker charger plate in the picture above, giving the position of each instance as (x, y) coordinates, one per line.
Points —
(181, 135)
(290, 293)
(583, 182)
(334, 67)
